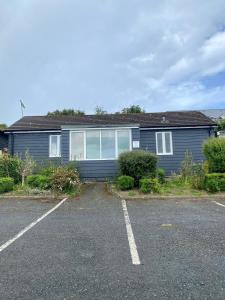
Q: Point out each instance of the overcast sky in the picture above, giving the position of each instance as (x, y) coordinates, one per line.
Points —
(162, 55)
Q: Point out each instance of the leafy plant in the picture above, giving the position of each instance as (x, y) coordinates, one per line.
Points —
(161, 175)
(149, 185)
(137, 164)
(186, 166)
(198, 176)
(65, 180)
(6, 184)
(214, 150)
(215, 182)
(38, 181)
(10, 167)
(125, 182)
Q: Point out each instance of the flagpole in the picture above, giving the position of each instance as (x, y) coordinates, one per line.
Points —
(22, 107)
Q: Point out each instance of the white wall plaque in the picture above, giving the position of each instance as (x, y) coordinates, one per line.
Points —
(136, 144)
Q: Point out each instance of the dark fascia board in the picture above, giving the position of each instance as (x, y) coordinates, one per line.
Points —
(178, 127)
(68, 127)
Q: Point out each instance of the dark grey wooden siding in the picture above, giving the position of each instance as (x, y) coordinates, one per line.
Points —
(3, 140)
(183, 140)
(36, 143)
(94, 169)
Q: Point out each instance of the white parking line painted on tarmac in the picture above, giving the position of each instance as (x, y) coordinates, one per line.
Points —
(133, 248)
(220, 204)
(22, 232)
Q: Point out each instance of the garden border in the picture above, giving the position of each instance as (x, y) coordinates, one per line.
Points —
(160, 197)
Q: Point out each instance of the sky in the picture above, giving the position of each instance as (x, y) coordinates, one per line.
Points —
(161, 55)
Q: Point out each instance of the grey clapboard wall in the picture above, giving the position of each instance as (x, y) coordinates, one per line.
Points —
(183, 139)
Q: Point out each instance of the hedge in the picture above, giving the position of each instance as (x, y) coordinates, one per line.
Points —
(215, 182)
(125, 182)
(6, 184)
(38, 181)
(10, 167)
(137, 164)
(214, 150)
(149, 185)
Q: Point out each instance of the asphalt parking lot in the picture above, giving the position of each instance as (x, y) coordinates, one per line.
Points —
(100, 248)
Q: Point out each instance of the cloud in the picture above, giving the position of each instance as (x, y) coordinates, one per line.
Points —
(56, 54)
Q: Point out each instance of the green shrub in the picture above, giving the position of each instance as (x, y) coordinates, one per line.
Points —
(186, 166)
(6, 184)
(38, 181)
(198, 176)
(65, 180)
(149, 185)
(10, 167)
(215, 182)
(137, 164)
(214, 150)
(125, 182)
(161, 175)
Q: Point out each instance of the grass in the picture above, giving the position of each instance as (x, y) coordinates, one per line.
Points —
(177, 187)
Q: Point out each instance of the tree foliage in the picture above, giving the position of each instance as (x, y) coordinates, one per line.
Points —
(133, 109)
(66, 112)
(100, 111)
(221, 125)
(214, 150)
(3, 126)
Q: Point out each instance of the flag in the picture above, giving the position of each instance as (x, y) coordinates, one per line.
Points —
(22, 104)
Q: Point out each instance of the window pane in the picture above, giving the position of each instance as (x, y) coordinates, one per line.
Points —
(54, 147)
(93, 144)
(77, 145)
(123, 140)
(167, 142)
(108, 143)
(159, 143)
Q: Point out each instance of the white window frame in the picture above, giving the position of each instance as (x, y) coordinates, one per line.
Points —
(58, 145)
(100, 129)
(164, 143)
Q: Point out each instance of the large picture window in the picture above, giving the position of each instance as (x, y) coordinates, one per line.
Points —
(55, 146)
(99, 144)
(164, 144)
(77, 145)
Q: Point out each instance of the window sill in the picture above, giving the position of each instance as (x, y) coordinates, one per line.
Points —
(100, 159)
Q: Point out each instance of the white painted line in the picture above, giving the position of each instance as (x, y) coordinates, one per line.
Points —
(220, 204)
(22, 232)
(133, 248)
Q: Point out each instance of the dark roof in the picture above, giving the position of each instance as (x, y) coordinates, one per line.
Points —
(171, 119)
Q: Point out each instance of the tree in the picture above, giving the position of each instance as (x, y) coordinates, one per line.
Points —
(3, 126)
(133, 109)
(221, 125)
(66, 112)
(26, 166)
(100, 111)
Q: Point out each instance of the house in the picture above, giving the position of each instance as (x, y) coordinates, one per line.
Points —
(95, 141)
(214, 114)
